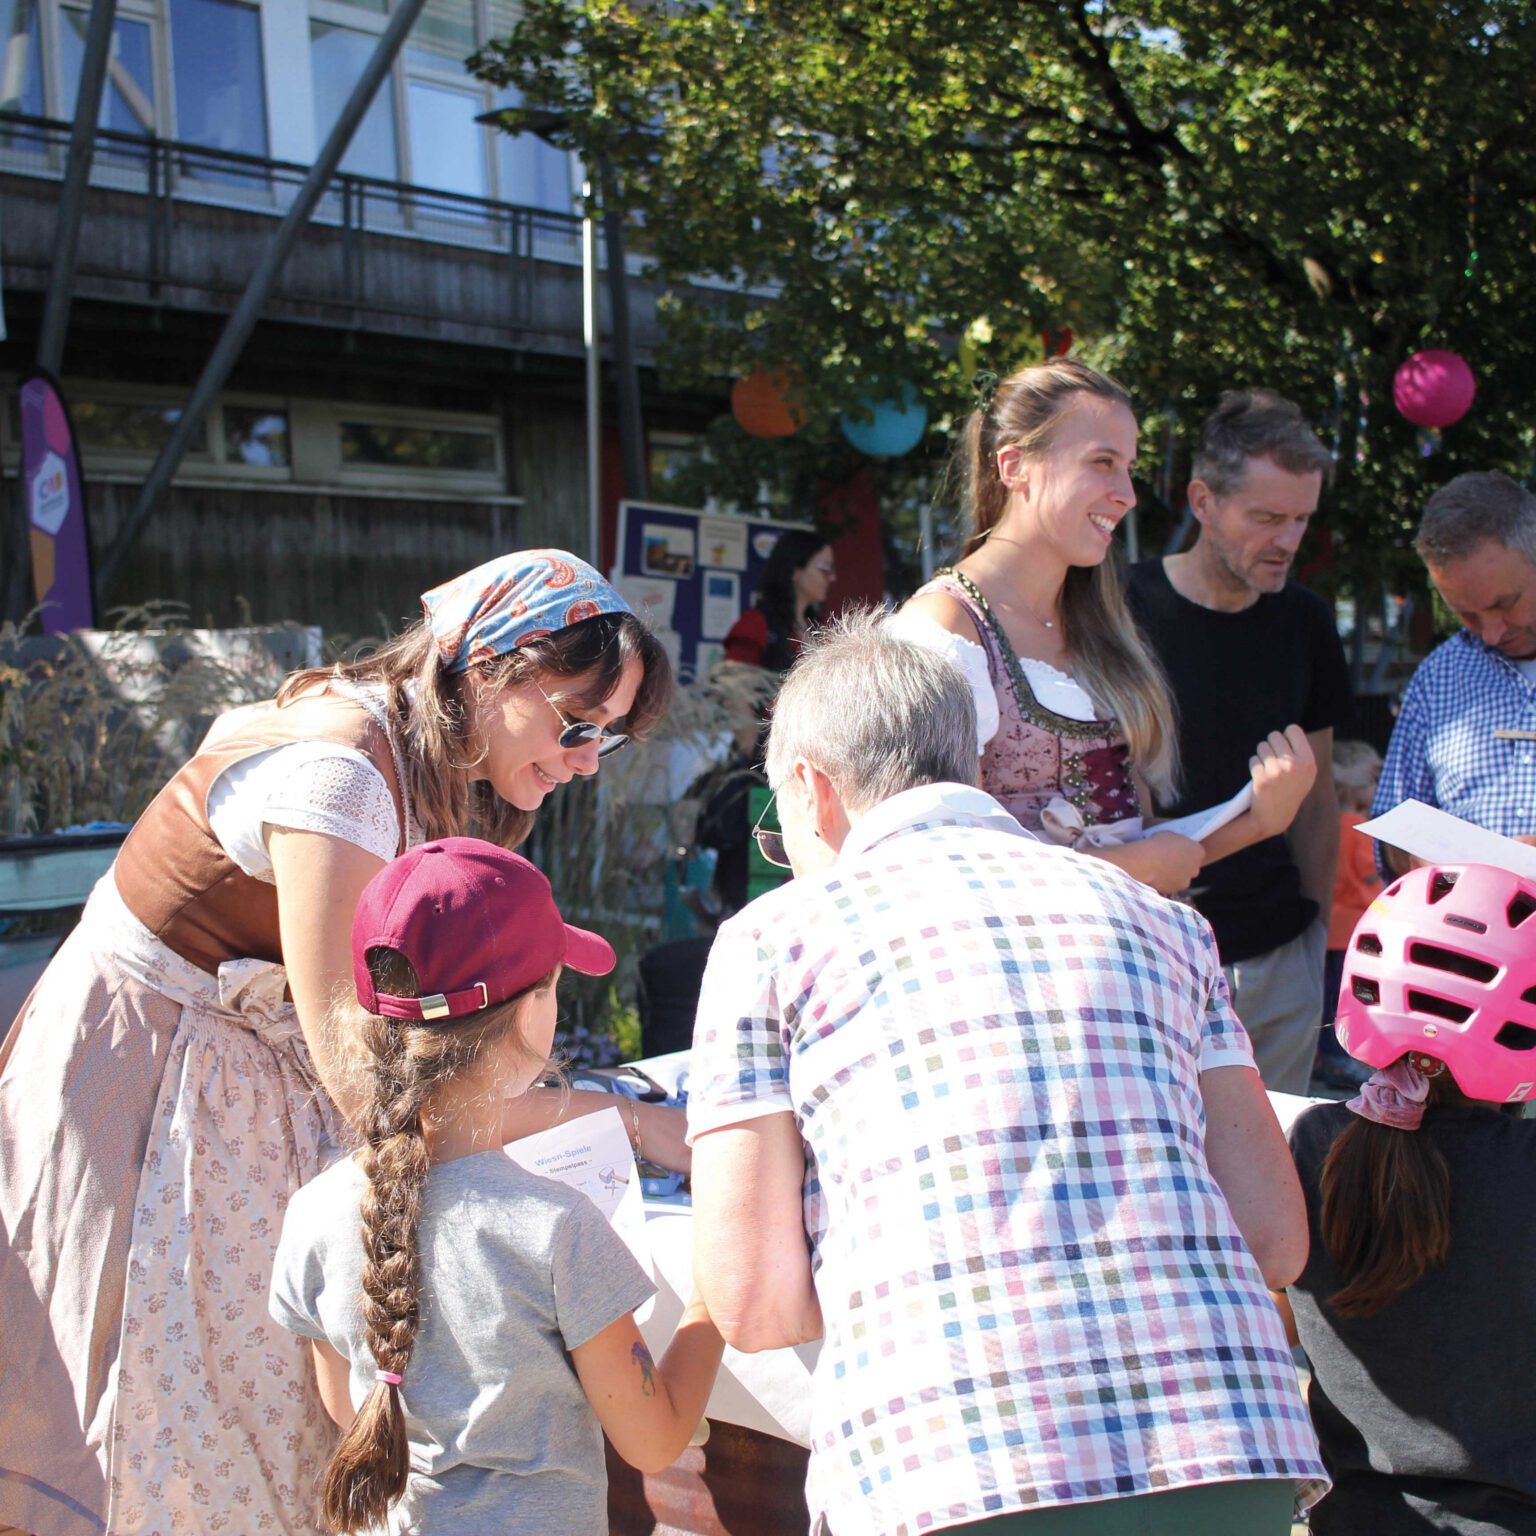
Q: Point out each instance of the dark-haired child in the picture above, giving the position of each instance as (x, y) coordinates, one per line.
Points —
(1417, 1308)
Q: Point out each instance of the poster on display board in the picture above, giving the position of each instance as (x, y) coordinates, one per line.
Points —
(691, 574)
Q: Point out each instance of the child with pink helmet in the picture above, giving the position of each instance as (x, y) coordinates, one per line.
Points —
(1417, 1308)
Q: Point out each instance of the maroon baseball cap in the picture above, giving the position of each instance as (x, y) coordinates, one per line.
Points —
(478, 923)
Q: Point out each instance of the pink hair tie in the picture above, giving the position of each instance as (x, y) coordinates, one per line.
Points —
(1394, 1096)
(389, 1378)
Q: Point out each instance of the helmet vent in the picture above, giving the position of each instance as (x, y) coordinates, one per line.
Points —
(1433, 958)
(1368, 944)
(1516, 1037)
(1529, 995)
(1440, 886)
(1365, 991)
(1438, 1007)
(1521, 908)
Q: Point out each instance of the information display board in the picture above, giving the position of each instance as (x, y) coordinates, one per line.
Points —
(692, 574)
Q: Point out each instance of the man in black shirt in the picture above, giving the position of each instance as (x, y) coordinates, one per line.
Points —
(1246, 653)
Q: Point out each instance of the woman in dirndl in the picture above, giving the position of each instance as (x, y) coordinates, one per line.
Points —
(172, 1079)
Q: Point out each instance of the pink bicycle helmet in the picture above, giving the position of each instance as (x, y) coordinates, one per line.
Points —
(1443, 963)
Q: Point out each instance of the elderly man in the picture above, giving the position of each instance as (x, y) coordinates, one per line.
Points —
(1465, 738)
(1247, 651)
(977, 1109)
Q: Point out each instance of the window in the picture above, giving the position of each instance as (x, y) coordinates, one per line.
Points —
(423, 126)
(128, 97)
(216, 57)
(198, 79)
(448, 147)
(410, 447)
(337, 57)
(21, 65)
(121, 426)
(256, 436)
(385, 450)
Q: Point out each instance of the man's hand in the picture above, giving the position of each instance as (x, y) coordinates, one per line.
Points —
(1283, 770)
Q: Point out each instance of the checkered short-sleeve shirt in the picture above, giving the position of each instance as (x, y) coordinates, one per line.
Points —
(1033, 1290)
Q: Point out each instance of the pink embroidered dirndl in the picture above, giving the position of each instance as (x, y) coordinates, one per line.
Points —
(1038, 756)
(154, 1121)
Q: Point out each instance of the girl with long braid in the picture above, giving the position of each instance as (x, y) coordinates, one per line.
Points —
(495, 1341)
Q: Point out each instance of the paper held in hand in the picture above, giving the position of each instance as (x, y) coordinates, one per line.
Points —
(1437, 837)
(592, 1154)
(1200, 824)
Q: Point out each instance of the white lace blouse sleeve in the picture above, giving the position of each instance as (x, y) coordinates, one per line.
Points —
(309, 786)
(965, 654)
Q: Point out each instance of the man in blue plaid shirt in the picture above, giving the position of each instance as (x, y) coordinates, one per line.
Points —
(1465, 738)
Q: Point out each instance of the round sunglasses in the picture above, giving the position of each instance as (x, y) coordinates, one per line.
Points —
(579, 733)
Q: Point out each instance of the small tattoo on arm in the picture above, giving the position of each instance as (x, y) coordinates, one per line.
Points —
(642, 1357)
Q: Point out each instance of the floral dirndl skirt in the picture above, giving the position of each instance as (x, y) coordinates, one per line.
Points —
(154, 1121)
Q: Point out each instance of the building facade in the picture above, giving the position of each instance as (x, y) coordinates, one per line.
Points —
(411, 400)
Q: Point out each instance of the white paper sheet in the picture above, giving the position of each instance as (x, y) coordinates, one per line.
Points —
(770, 1391)
(1200, 824)
(667, 550)
(653, 599)
(722, 604)
(1437, 837)
(592, 1154)
(723, 541)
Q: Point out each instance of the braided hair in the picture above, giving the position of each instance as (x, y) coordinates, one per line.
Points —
(407, 1065)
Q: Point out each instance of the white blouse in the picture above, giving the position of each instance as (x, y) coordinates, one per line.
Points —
(309, 786)
(1054, 689)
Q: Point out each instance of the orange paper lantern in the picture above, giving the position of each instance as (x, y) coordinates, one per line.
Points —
(763, 404)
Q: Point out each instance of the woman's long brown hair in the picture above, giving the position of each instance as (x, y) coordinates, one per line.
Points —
(407, 1064)
(431, 706)
(1385, 1208)
(1110, 658)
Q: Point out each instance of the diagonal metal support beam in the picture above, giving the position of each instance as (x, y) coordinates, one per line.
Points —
(77, 173)
(238, 328)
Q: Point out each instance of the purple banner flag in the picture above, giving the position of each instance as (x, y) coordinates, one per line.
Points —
(61, 544)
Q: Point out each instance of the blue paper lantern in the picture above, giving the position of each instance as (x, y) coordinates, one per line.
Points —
(892, 428)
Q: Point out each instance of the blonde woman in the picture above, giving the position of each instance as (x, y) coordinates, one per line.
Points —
(1075, 720)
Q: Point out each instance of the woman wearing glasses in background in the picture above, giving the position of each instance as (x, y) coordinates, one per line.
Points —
(794, 586)
(173, 1078)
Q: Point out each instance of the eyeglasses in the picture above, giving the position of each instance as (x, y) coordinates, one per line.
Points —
(769, 843)
(579, 733)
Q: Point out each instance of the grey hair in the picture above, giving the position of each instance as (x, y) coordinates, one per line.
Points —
(876, 713)
(1474, 507)
(1256, 424)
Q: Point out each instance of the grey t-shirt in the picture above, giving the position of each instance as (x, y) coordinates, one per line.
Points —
(517, 1271)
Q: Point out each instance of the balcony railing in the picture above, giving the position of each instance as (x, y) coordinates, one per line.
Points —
(176, 244)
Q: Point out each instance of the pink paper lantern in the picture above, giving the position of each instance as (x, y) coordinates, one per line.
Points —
(1434, 389)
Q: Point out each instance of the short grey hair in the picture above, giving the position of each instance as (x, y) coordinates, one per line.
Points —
(1256, 424)
(1472, 508)
(876, 713)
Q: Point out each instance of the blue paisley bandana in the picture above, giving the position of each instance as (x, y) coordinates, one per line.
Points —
(515, 598)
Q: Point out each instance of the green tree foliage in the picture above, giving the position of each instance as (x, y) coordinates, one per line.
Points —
(1292, 194)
